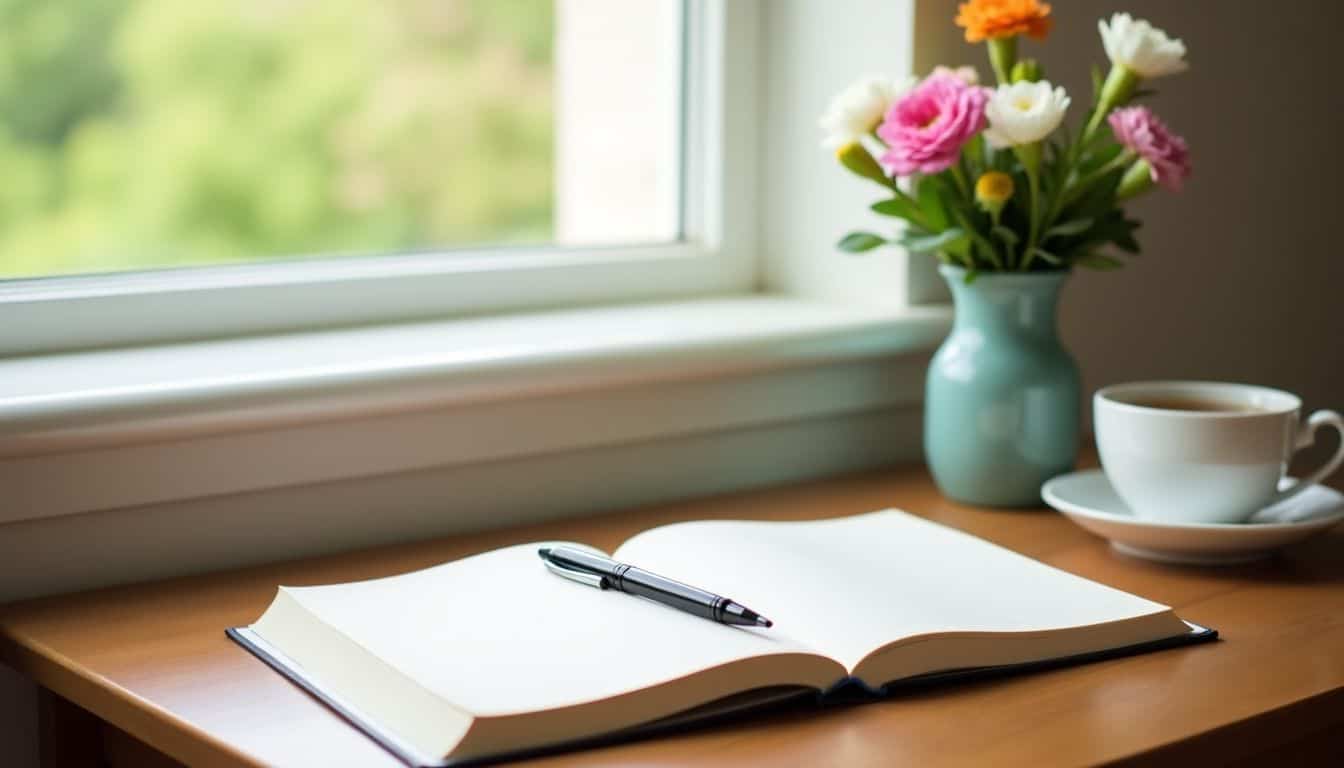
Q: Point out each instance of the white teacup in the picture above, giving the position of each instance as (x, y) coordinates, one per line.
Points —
(1203, 452)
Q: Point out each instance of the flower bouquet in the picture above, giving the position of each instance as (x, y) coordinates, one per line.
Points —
(998, 186)
(992, 179)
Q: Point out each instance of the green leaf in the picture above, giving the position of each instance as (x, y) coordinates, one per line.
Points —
(1046, 256)
(1099, 261)
(985, 251)
(948, 239)
(1068, 228)
(1056, 168)
(858, 242)
(896, 206)
(1098, 156)
(1006, 235)
(974, 154)
(1097, 80)
(1115, 227)
(1065, 134)
(971, 274)
(996, 159)
(929, 194)
(1098, 201)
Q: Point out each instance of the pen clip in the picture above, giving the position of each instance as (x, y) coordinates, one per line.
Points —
(574, 574)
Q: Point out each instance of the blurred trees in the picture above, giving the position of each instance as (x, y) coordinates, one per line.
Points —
(141, 133)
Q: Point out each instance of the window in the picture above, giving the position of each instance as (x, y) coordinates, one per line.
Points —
(154, 133)
(457, 155)
(783, 343)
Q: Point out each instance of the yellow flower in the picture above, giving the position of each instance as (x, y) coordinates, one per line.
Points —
(996, 19)
(993, 189)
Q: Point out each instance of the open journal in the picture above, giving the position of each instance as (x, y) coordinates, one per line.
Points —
(494, 655)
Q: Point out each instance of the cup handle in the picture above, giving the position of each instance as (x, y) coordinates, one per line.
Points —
(1306, 436)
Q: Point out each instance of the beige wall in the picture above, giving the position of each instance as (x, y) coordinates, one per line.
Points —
(1242, 276)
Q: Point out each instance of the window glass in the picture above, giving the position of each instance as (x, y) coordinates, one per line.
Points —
(141, 134)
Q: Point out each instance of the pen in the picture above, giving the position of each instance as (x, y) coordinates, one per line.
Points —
(605, 573)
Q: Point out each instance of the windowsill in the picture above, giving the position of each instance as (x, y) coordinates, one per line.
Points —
(93, 399)
(98, 408)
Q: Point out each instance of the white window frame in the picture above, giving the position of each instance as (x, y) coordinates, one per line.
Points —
(715, 255)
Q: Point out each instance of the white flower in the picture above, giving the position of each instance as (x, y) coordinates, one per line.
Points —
(858, 109)
(1024, 112)
(967, 74)
(1141, 47)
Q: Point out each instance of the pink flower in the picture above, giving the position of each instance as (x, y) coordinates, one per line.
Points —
(1140, 131)
(925, 129)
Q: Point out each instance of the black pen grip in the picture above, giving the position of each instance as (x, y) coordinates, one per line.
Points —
(636, 581)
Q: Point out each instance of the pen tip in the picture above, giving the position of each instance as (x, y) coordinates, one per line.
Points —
(761, 621)
(544, 553)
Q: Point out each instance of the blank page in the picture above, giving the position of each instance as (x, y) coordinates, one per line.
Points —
(849, 586)
(499, 634)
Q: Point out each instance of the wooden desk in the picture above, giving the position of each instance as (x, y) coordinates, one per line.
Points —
(152, 661)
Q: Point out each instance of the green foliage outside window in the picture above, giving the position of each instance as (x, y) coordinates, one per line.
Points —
(148, 133)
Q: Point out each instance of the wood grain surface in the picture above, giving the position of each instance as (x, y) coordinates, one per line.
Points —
(152, 660)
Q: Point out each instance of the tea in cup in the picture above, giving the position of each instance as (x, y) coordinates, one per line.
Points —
(1204, 452)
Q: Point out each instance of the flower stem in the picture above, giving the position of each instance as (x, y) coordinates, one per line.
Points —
(990, 252)
(1119, 87)
(1034, 181)
(919, 220)
(960, 177)
(1073, 191)
(1002, 56)
(973, 155)
(1009, 254)
(1030, 155)
(1082, 184)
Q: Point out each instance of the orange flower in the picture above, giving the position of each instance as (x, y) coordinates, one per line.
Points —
(992, 19)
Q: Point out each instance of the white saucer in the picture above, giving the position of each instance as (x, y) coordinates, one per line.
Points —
(1088, 499)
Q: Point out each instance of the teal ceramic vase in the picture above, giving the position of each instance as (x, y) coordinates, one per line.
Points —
(1002, 396)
